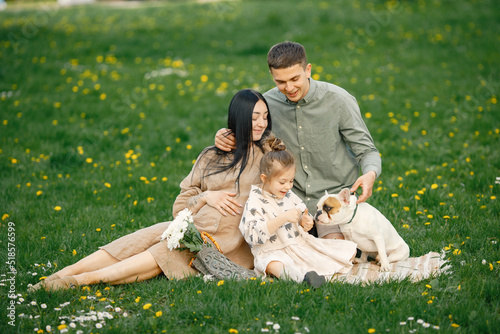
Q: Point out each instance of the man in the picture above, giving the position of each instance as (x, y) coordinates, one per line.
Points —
(322, 127)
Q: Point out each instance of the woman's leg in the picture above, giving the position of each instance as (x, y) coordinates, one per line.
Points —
(137, 268)
(94, 261)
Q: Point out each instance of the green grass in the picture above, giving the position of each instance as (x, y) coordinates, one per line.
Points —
(103, 110)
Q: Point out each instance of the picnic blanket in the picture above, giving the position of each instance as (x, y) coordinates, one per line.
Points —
(415, 268)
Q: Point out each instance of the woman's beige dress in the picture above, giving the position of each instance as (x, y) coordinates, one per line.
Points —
(224, 229)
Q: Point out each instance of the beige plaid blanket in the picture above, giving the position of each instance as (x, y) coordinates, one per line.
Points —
(415, 268)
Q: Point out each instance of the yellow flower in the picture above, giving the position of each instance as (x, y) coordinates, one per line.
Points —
(39, 192)
(455, 325)
(158, 314)
(232, 330)
(221, 282)
(372, 330)
(74, 252)
(107, 185)
(98, 229)
(137, 299)
(491, 266)
(147, 306)
(62, 326)
(394, 195)
(406, 208)
(5, 216)
(434, 186)
(57, 208)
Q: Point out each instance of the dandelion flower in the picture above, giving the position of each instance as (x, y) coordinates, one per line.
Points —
(372, 330)
(221, 282)
(147, 306)
(232, 330)
(57, 208)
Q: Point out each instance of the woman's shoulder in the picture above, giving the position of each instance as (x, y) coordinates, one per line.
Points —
(212, 153)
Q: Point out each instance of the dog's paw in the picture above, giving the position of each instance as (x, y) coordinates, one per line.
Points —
(385, 267)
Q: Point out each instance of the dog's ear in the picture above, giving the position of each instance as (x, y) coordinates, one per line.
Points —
(345, 196)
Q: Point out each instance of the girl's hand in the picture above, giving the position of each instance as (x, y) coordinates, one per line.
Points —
(224, 202)
(292, 216)
(306, 221)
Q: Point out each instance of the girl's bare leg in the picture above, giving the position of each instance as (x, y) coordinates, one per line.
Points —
(94, 261)
(137, 268)
(275, 268)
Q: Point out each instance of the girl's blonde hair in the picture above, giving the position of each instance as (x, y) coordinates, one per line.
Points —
(277, 154)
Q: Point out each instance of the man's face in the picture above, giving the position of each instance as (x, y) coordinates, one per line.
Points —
(292, 81)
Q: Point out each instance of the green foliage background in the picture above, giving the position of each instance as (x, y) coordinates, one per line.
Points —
(105, 107)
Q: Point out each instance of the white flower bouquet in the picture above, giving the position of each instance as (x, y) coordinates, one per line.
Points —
(182, 231)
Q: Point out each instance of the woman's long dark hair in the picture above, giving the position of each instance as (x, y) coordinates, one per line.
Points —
(239, 123)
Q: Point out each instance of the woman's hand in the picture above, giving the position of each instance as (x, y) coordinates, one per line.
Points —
(224, 202)
(306, 221)
(225, 140)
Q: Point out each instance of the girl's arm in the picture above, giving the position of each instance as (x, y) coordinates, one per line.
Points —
(291, 216)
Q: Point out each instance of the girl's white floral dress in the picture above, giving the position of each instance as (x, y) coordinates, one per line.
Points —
(290, 244)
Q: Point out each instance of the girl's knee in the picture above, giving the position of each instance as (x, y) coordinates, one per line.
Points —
(274, 268)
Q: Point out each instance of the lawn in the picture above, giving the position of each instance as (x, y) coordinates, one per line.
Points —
(103, 109)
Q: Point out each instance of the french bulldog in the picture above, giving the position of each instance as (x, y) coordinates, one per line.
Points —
(364, 225)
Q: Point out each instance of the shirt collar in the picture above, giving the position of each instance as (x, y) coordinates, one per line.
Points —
(309, 96)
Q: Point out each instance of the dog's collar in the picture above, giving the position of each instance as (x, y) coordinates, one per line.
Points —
(353, 215)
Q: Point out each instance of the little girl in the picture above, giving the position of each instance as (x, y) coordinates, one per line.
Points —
(275, 222)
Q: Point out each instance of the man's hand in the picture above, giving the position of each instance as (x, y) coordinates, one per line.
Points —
(225, 140)
(366, 182)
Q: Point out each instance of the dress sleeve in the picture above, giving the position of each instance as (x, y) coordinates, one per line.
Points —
(297, 202)
(253, 224)
(192, 184)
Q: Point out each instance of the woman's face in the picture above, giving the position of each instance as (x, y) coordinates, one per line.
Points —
(259, 120)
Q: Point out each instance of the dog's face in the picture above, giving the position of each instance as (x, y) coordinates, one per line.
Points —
(330, 207)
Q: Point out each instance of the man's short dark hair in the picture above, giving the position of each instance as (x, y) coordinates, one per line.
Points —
(286, 54)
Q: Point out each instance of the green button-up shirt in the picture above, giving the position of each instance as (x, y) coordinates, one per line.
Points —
(328, 137)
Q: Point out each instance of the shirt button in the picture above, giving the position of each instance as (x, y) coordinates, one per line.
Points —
(300, 126)
(305, 167)
(302, 148)
(308, 186)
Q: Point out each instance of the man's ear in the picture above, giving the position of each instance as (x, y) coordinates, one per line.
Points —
(308, 70)
(345, 196)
